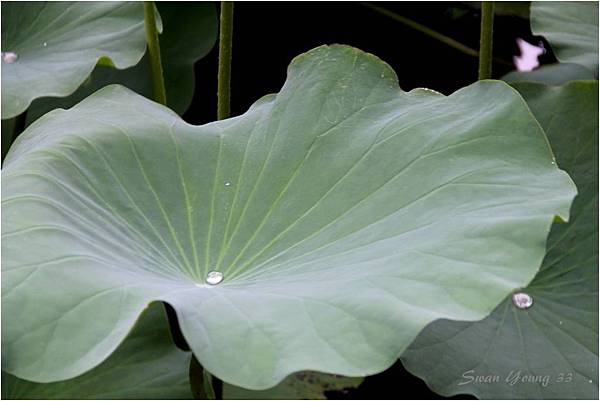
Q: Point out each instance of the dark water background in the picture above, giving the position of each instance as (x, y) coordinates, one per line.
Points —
(268, 35)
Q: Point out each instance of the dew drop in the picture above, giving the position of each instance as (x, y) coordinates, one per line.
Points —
(522, 300)
(45, 44)
(9, 57)
(590, 381)
(560, 322)
(214, 277)
(227, 184)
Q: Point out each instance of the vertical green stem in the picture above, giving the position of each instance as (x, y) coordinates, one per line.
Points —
(485, 40)
(224, 75)
(158, 80)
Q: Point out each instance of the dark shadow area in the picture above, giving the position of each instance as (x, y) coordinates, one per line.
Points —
(394, 383)
(268, 35)
(175, 329)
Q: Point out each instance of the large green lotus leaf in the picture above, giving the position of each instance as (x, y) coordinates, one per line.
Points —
(551, 74)
(189, 33)
(145, 366)
(571, 28)
(344, 214)
(58, 44)
(555, 341)
(299, 386)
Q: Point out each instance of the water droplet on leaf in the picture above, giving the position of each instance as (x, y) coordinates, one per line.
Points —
(45, 44)
(214, 277)
(522, 300)
(9, 57)
(227, 184)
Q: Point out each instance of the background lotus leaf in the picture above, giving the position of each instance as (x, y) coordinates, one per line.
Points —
(189, 33)
(551, 74)
(553, 344)
(145, 366)
(571, 28)
(57, 45)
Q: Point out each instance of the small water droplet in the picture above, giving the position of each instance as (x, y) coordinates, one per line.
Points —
(590, 381)
(45, 44)
(9, 57)
(522, 300)
(214, 277)
(227, 184)
(560, 322)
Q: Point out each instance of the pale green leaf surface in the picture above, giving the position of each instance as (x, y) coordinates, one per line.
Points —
(299, 386)
(551, 74)
(555, 342)
(190, 32)
(145, 366)
(344, 213)
(571, 28)
(59, 43)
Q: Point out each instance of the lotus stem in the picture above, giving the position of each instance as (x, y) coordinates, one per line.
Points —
(224, 74)
(486, 39)
(158, 80)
